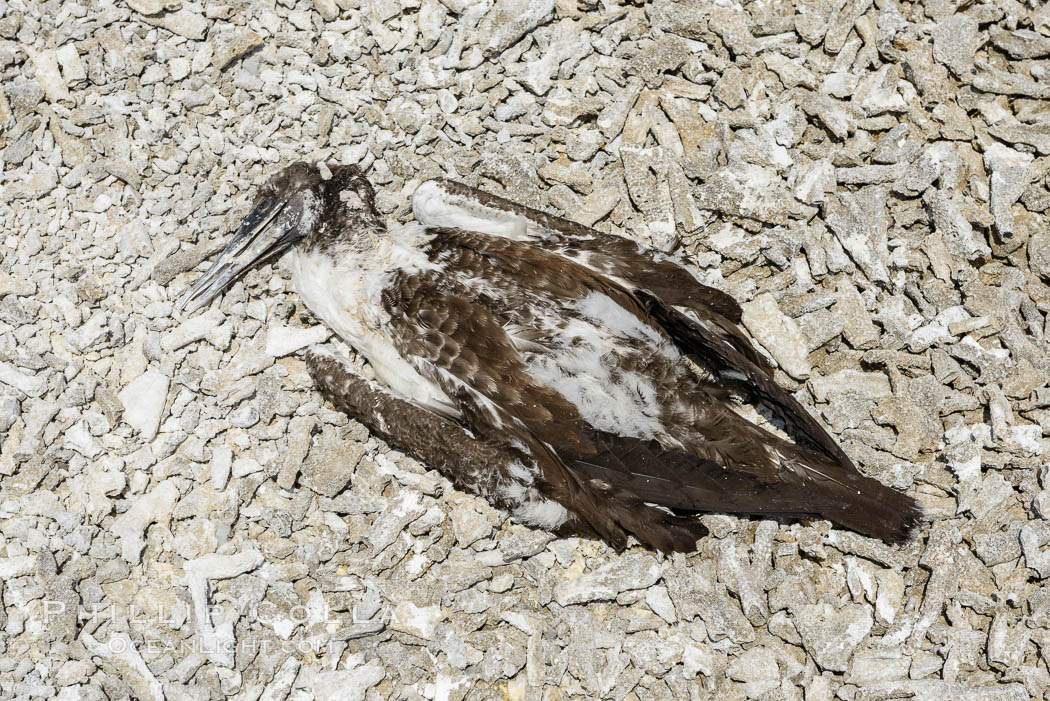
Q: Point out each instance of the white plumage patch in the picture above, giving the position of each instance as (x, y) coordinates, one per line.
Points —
(602, 309)
(541, 512)
(581, 367)
(527, 504)
(345, 291)
(434, 206)
(520, 472)
(627, 406)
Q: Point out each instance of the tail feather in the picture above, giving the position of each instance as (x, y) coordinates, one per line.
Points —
(811, 485)
(853, 500)
(624, 513)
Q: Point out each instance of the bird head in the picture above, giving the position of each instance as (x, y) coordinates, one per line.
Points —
(296, 207)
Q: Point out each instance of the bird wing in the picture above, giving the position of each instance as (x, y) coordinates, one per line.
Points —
(701, 319)
(447, 203)
(479, 466)
(494, 328)
(724, 347)
(470, 323)
(463, 346)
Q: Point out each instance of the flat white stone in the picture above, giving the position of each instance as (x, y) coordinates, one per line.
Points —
(89, 333)
(182, 22)
(221, 464)
(660, 602)
(143, 402)
(130, 527)
(80, 439)
(192, 329)
(813, 180)
(755, 665)
(284, 340)
(15, 285)
(179, 68)
(17, 566)
(626, 573)
(30, 385)
(282, 681)
(243, 467)
(218, 566)
(830, 635)
(49, 77)
(216, 639)
(347, 685)
(151, 7)
(870, 385)
(420, 621)
(70, 63)
(778, 334)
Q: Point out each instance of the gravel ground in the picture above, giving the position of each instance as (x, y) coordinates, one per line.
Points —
(183, 517)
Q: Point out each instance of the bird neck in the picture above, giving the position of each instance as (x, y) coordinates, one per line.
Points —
(349, 221)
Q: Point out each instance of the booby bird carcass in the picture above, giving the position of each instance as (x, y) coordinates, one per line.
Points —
(543, 365)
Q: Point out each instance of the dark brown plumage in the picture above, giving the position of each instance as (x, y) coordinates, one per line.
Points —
(476, 464)
(541, 364)
(724, 464)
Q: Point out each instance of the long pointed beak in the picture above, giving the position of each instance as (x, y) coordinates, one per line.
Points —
(257, 241)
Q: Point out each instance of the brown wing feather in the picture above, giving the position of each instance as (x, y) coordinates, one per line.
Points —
(712, 335)
(463, 347)
(726, 348)
(460, 340)
(613, 256)
(655, 474)
(473, 464)
(534, 277)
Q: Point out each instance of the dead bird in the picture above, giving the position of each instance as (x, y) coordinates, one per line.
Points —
(543, 365)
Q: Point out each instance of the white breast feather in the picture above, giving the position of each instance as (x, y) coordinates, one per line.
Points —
(541, 512)
(345, 290)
